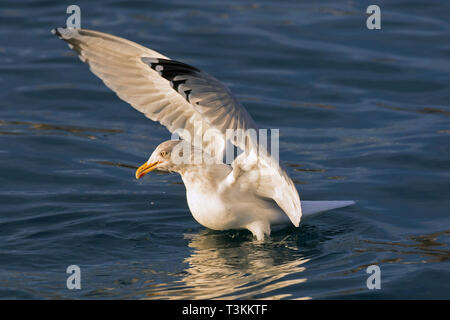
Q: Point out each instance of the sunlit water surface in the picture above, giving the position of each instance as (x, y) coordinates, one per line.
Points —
(363, 115)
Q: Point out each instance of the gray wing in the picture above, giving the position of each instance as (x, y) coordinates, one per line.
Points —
(182, 98)
(209, 97)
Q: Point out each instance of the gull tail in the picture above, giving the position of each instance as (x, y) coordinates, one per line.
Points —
(310, 208)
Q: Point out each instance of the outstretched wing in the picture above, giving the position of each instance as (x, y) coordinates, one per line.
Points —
(175, 94)
(178, 96)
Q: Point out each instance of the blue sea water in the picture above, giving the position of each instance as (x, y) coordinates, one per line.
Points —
(363, 115)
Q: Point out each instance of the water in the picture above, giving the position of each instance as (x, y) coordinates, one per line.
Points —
(363, 115)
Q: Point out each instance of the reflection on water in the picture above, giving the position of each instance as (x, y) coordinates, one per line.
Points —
(16, 128)
(117, 164)
(224, 268)
(426, 110)
(313, 105)
(362, 115)
(416, 249)
(423, 249)
(231, 266)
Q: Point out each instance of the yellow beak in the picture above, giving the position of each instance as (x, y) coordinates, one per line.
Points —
(145, 168)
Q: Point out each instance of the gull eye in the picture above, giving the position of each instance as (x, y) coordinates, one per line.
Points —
(163, 154)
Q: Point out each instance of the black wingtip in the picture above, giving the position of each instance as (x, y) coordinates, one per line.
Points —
(56, 32)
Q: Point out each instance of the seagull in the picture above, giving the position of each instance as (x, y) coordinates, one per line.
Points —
(253, 192)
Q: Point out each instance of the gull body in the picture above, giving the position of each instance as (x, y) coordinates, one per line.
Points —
(254, 192)
(216, 198)
(224, 208)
